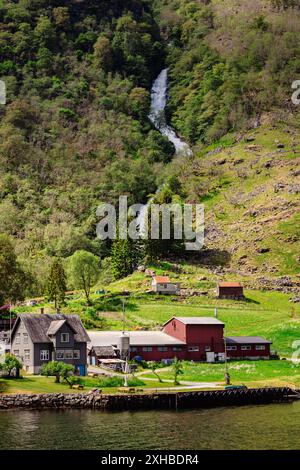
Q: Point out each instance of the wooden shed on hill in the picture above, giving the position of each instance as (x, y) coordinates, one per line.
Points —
(163, 285)
(230, 290)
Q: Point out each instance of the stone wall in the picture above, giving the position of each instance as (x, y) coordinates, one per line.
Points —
(193, 399)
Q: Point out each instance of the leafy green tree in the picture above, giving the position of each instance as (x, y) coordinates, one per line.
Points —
(56, 283)
(177, 369)
(11, 363)
(13, 280)
(154, 366)
(103, 53)
(59, 370)
(124, 257)
(84, 270)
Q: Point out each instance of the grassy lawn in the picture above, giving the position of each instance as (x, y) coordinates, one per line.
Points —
(251, 373)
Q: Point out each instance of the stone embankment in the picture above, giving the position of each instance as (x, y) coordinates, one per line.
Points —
(179, 400)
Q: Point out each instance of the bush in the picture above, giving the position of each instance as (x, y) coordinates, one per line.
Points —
(118, 382)
(3, 386)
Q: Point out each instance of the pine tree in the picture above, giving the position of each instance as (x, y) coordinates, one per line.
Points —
(56, 283)
(124, 257)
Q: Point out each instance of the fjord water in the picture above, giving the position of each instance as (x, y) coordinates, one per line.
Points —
(250, 427)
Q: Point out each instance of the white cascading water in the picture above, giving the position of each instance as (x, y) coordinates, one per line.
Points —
(158, 117)
(157, 113)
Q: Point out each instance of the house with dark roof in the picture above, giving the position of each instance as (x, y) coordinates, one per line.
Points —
(247, 347)
(163, 285)
(38, 339)
(230, 290)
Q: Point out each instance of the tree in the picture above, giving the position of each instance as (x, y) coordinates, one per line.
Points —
(124, 256)
(10, 363)
(177, 370)
(57, 369)
(155, 365)
(56, 283)
(103, 53)
(84, 271)
(13, 280)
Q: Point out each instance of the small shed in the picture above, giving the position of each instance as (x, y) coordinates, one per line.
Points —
(163, 285)
(97, 353)
(230, 290)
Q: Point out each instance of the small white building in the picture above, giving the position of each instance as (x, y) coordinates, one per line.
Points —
(163, 285)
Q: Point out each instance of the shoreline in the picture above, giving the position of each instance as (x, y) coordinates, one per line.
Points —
(148, 401)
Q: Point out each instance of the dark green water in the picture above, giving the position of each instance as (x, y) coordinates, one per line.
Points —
(249, 427)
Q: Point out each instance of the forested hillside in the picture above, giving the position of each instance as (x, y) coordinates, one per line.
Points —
(75, 131)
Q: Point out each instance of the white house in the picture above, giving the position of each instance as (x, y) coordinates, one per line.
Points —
(163, 285)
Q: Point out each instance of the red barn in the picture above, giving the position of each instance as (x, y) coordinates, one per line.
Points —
(201, 335)
(247, 347)
(230, 290)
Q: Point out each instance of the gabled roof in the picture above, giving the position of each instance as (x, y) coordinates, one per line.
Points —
(162, 279)
(229, 284)
(55, 325)
(38, 326)
(246, 340)
(197, 320)
(104, 351)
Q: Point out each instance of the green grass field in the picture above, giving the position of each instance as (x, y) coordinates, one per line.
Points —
(250, 373)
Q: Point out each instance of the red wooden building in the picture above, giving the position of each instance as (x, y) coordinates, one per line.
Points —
(247, 347)
(188, 338)
(230, 290)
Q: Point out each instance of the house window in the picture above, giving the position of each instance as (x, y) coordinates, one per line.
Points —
(65, 337)
(193, 349)
(147, 348)
(76, 354)
(17, 341)
(162, 348)
(68, 354)
(260, 347)
(25, 338)
(44, 355)
(133, 348)
(231, 348)
(207, 348)
(27, 354)
(246, 348)
(60, 354)
(177, 348)
(16, 352)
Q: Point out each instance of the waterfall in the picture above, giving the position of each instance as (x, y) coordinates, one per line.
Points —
(158, 117)
(157, 113)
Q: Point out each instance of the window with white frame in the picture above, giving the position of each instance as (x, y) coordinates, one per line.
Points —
(162, 348)
(18, 337)
(65, 337)
(260, 347)
(231, 348)
(60, 354)
(246, 348)
(16, 352)
(193, 349)
(27, 354)
(25, 338)
(44, 355)
(147, 348)
(207, 348)
(68, 354)
(133, 348)
(76, 354)
(177, 348)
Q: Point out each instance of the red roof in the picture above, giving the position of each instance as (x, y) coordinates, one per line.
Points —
(230, 284)
(161, 279)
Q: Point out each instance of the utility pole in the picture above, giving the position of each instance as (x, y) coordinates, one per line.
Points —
(126, 358)
(227, 375)
(216, 312)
